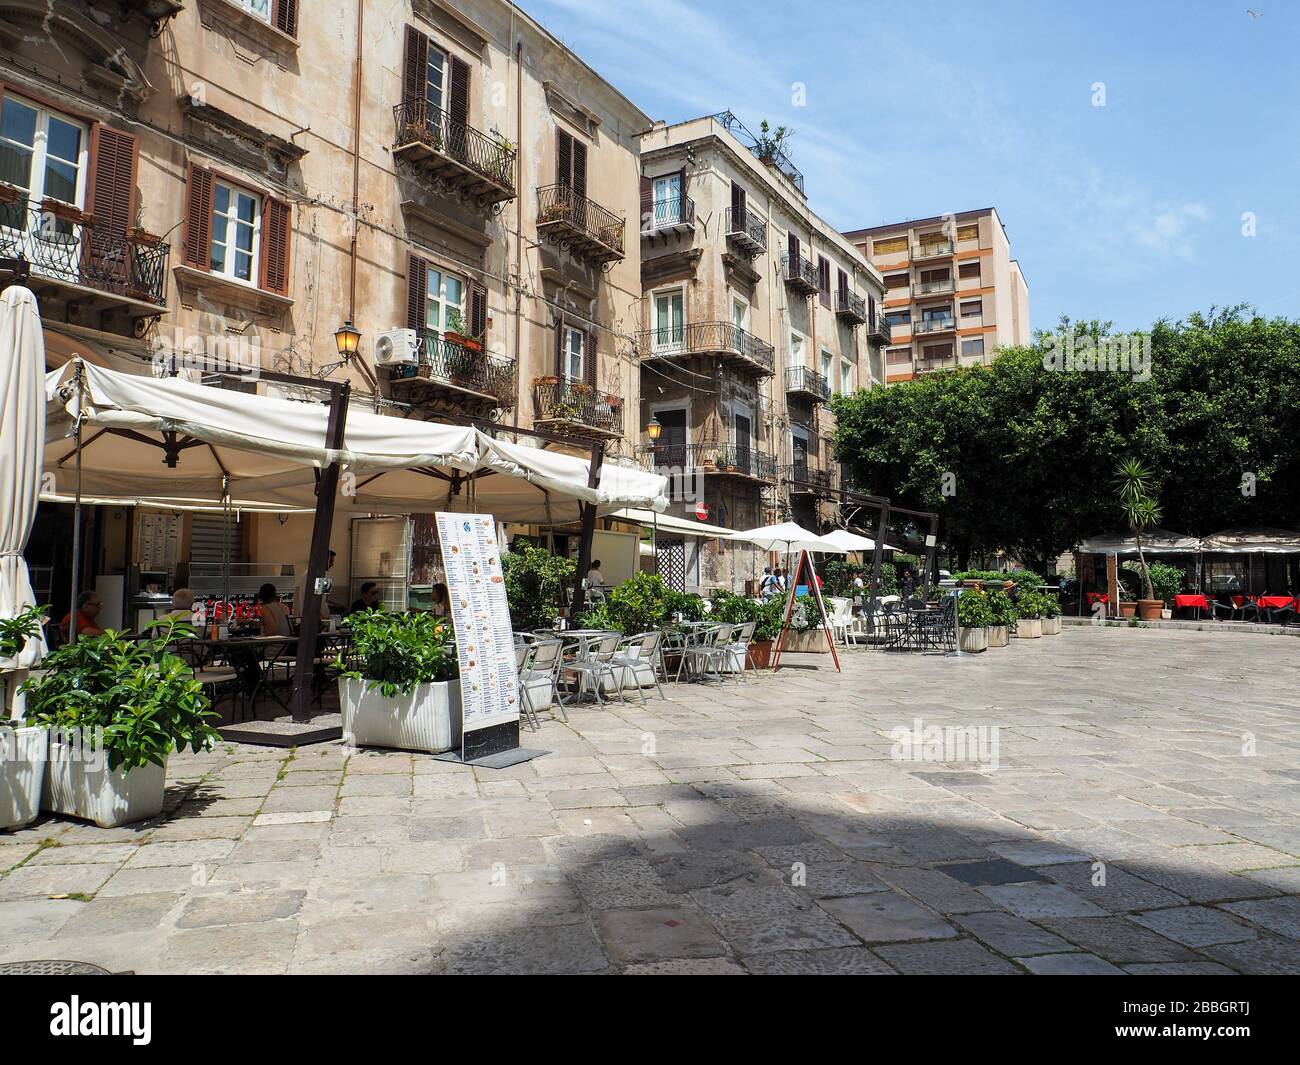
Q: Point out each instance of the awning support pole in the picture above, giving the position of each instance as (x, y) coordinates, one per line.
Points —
(877, 557)
(588, 531)
(76, 518)
(326, 491)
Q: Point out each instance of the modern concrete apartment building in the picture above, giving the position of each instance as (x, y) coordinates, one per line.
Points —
(953, 293)
(231, 180)
(755, 312)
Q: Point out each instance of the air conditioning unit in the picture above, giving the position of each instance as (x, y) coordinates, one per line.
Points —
(397, 346)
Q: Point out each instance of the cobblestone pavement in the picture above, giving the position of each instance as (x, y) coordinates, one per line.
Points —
(763, 827)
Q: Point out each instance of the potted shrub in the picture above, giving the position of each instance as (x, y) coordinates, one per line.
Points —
(403, 689)
(116, 707)
(457, 332)
(1029, 612)
(1127, 596)
(535, 580)
(23, 749)
(1166, 582)
(1137, 501)
(770, 142)
(973, 619)
(1002, 615)
(1051, 615)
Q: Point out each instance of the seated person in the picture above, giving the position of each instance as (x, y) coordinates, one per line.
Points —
(367, 600)
(88, 607)
(275, 618)
(182, 606)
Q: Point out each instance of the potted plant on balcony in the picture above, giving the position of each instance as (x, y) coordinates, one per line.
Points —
(116, 707)
(1137, 501)
(400, 686)
(67, 212)
(1002, 615)
(23, 749)
(974, 616)
(457, 332)
(10, 193)
(770, 142)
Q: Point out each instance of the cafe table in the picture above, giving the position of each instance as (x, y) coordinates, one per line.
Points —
(1275, 604)
(254, 658)
(1189, 600)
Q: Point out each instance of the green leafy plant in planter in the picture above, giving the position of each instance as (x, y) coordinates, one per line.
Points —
(535, 580)
(688, 604)
(1136, 494)
(974, 611)
(804, 617)
(140, 692)
(17, 630)
(637, 605)
(1051, 605)
(1030, 605)
(1166, 580)
(1002, 611)
(395, 652)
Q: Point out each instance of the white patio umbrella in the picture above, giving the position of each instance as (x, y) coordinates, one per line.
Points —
(851, 542)
(789, 537)
(22, 443)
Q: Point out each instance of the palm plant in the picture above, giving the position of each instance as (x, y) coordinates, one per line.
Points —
(1141, 509)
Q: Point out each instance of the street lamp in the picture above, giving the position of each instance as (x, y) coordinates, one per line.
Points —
(347, 338)
(654, 429)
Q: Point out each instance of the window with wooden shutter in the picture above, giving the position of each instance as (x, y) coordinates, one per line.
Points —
(417, 291)
(737, 206)
(580, 169)
(458, 92)
(198, 218)
(286, 16)
(477, 310)
(415, 71)
(559, 349)
(111, 199)
(589, 357)
(824, 280)
(793, 245)
(889, 246)
(843, 283)
(275, 246)
(571, 163)
(968, 232)
(647, 204)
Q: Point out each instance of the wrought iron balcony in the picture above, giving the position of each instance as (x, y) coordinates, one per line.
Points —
(745, 230)
(931, 249)
(802, 477)
(807, 381)
(453, 369)
(62, 245)
(577, 407)
(850, 307)
(736, 460)
(800, 274)
(579, 224)
(880, 330)
(723, 339)
(674, 215)
(932, 325)
(466, 160)
(932, 288)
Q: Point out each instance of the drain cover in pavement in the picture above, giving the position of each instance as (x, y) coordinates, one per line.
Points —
(45, 967)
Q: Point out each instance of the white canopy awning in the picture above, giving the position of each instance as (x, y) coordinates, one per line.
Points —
(667, 523)
(169, 438)
(850, 542)
(790, 537)
(1155, 541)
(1251, 541)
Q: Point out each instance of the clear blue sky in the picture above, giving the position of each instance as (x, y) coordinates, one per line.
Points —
(1128, 212)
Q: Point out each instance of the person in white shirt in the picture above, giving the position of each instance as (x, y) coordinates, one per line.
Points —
(182, 606)
(595, 579)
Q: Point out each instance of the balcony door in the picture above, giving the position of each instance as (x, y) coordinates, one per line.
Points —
(668, 200)
(742, 429)
(670, 449)
(739, 313)
(800, 454)
(44, 156)
(445, 303)
(670, 321)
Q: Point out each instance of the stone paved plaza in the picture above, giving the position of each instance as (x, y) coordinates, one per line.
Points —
(762, 827)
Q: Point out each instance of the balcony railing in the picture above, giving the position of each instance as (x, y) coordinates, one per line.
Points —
(930, 249)
(746, 230)
(740, 460)
(926, 363)
(932, 325)
(800, 274)
(675, 213)
(707, 338)
(61, 244)
(458, 368)
(580, 224)
(481, 165)
(932, 288)
(808, 381)
(879, 329)
(578, 406)
(804, 477)
(850, 306)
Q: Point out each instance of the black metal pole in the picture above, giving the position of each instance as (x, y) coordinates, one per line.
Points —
(326, 491)
(76, 520)
(877, 558)
(588, 531)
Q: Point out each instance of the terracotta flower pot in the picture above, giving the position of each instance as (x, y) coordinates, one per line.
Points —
(1149, 609)
(1127, 608)
(760, 652)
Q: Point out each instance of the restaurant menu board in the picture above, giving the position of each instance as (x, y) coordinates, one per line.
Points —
(485, 646)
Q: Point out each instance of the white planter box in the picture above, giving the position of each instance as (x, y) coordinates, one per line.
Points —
(972, 641)
(1052, 626)
(1029, 628)
(78, 787)
(428, 719)
(999, 635)
(23, 753)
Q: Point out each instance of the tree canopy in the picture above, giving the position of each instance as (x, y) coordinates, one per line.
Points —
(1031, 450)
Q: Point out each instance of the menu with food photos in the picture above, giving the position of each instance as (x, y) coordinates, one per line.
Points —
(485, 646)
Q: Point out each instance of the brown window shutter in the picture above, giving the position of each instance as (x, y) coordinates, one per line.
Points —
(559, 348)
(415, 72)
(113, 172)
(477, 310)
(458, 102)
(563, 159)
(275, 246)
(647, 204)
(589, 357)
(417, 292)
(286, 17)
(580, 169)
(198, 218)
(824, 280)
(681, 185)
(844, 282)
(793, 245)
(737, 205)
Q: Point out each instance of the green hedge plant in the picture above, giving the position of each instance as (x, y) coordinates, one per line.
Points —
(973, 610)
(396, 652)
(1002, 611)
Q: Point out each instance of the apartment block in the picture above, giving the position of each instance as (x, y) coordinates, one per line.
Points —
(953, 293)
(755, 312)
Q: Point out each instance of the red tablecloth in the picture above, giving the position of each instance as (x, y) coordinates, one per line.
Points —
(1098, 597)
(1275, 602)
(1240, 600)
(1192, 600)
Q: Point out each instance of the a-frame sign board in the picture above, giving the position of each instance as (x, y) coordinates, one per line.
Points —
(804, 572)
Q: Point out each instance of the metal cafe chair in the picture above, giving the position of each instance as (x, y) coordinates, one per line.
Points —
(737, 653)
(540, 673)
(592, 662)
(705, 651)
(640, 660)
